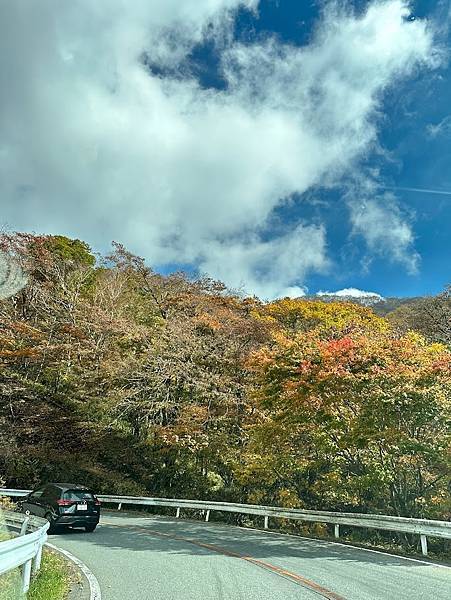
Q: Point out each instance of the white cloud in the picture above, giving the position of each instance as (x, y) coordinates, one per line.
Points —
(265, 267)
(387, 232)
(93, 145)
(351, 292)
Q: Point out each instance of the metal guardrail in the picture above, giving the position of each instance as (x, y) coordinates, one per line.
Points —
(421, 527)
(25, 549)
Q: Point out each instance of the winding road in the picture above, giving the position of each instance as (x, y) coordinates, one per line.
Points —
(158, 558)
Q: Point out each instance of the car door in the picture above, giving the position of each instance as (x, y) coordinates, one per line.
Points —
(32, 502)
(47, 502)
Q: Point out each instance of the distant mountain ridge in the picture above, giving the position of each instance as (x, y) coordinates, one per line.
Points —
(388, 305)
(381, 306)
(352, 295)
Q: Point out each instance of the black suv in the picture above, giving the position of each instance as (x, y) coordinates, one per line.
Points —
(64, 504)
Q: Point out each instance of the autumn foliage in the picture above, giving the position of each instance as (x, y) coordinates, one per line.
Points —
(132, 381)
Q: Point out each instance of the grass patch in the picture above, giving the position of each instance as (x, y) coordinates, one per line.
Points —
(11, 585)
(52, 582)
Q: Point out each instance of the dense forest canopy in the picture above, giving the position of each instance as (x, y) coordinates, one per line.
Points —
(134, 382)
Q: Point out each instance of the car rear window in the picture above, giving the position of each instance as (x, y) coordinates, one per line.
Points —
(78, 495)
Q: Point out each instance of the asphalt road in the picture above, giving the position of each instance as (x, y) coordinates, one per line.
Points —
(157, 558)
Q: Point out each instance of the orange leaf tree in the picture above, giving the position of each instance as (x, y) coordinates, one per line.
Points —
(351, 416)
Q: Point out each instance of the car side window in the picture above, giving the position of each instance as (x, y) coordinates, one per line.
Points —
(48, 491)
(52, 492)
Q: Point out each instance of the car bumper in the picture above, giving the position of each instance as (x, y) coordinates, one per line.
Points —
(77, 520)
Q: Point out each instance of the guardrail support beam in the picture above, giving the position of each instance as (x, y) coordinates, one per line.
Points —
(37, 561)
(23, 529)
(177, 514)
(26, 575)
(424, 545)
(422, 527)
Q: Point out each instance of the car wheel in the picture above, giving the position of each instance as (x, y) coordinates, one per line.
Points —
(52, 527)
(90, 528)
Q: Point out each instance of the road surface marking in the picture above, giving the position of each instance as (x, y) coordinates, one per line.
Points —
(307, 583)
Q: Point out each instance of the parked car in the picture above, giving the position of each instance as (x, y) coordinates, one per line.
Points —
(64, 505)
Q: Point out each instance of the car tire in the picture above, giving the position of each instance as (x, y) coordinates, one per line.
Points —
(52, 527)
(90, 528)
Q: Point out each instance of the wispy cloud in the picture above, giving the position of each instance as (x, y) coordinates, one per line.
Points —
(419, 190)
(441, 128)
(379, 219)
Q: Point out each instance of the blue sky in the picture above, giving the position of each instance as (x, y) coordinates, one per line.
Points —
(417, 158)
(268, 143)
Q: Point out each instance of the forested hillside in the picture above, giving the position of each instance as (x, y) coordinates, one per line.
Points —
(134, 382)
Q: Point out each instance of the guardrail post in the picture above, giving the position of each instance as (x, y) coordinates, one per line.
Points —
(26, 575)
(177, 514)
(266, 522)
(424, 545)
(23, 529)
(37, 560)
(337, 530)
(120, 506)
(207, 516)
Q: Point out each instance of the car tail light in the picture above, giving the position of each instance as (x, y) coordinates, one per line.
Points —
(97, 501)
(64, 502)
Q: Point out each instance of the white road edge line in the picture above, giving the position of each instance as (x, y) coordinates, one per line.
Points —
(95, 593)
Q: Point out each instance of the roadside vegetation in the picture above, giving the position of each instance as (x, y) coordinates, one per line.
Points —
(52, 582)
(137, 383)
(9, 582)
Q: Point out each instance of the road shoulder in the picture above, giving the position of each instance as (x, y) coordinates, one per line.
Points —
(83, 583)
